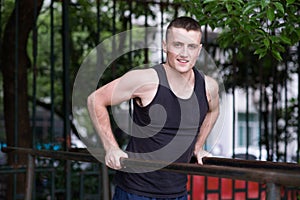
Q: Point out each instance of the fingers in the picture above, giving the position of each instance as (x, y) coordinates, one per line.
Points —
(112, 158)
(201, 154)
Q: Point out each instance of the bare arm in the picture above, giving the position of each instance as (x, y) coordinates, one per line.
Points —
(122, 89)
(212, 93)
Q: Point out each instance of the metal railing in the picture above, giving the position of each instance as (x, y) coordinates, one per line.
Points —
(274, 175)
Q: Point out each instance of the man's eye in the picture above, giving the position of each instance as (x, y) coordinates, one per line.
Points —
(193, 46)
(177, 45)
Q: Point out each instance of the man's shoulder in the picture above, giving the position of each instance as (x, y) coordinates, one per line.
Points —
(142, 74)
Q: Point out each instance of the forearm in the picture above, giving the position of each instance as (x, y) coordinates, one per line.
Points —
(205, 129)
(101, 121)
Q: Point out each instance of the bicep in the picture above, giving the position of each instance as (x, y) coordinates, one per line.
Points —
(121, 89)
(212, 93)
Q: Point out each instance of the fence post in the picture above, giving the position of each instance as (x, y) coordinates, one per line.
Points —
(273, 191)
(29, 177)
(105, 182)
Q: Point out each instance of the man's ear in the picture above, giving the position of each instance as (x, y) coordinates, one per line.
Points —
(164, 45)
(200, 49)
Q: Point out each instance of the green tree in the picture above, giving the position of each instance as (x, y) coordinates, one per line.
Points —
(257, 37)
(25, 46)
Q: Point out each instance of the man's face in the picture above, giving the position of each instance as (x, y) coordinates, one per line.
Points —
(182, 48)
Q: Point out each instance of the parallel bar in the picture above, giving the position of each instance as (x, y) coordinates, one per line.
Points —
(29, 177)
(251, 164)
(61, 155)
(289, 176)
(280, 177)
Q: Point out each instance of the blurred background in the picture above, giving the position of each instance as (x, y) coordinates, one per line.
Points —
(251, 48)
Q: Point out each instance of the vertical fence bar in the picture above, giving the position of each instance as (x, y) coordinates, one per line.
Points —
(274, 108)
(247, 118)
(298, 127)
(52, 71)
(52, 92)
(114, 30)
(260, 123)
(260, 114)
(285, 109)
(16, 87)
(273, 192)
(233, 114)
(233, 103)
(29, 178)
(66, 92)
(105, 182)
(16, 120)
(34, 63)
(162, 29)
(146, 59)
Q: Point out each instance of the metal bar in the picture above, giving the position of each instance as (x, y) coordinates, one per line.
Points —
(298, 106)
(29, 177)
(285, 108)
(105, 182)
(85, 156)
(34, 79)
(273, 191)
(16, 88)
(266, 173)
(66, 91)
(52, 71)
(233, 103)
(255, 164)
(282, 177)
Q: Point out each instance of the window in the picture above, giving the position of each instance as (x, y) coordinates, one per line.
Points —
(253, 130)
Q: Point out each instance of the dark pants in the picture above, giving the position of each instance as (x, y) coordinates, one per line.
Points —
(123, 195)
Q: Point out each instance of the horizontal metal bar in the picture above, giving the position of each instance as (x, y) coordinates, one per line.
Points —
(251, 163)
(61, 155)
(221, 167)
(280, 177)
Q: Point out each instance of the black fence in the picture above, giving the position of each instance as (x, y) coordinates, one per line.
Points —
(43, 44)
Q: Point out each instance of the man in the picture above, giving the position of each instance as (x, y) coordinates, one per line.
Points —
(174, 106)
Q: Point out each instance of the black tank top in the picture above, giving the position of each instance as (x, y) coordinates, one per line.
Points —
(166, 129)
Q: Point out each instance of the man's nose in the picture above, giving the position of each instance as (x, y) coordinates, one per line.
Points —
(184, 51)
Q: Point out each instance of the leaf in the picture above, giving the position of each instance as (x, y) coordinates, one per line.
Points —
(266, 42)
(285, 39)
(209, 1)
(264, 3)
(279, 7)
(290, 1)
(260, 51)
(276, 55)
(271, 14)
(274, 39)
(228, 7)
(249, 8)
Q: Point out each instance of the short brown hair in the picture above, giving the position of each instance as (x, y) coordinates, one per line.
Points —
(187, 23)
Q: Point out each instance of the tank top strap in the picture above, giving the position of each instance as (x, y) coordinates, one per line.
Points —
(161, 75)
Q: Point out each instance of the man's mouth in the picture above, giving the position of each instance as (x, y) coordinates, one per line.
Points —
(182, 61)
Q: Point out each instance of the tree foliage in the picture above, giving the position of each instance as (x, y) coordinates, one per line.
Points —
(266, 26)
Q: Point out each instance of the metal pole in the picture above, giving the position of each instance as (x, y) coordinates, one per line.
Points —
(273, 191)
(105, 182)
(66, 91)
(29, 177)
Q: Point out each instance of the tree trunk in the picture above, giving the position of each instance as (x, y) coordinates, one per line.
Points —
(14, 65)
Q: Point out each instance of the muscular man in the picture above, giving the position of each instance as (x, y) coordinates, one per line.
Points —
(171, 100)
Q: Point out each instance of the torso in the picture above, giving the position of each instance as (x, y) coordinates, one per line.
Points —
(181, 85)
(154, 139)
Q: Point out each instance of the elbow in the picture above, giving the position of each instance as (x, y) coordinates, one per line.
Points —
(90, 101)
